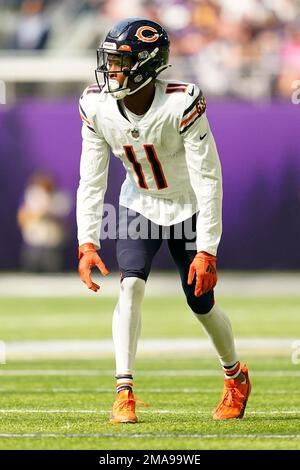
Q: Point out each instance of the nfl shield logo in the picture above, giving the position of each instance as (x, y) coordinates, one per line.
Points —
(135, 133)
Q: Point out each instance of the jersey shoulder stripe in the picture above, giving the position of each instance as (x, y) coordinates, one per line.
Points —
(85, 120)
(94, 88)
(82, 112)
(192, 113)
(178, 87)
(189, 108)
(88, 104)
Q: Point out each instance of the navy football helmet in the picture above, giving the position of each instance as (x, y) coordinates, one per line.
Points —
(140, 47)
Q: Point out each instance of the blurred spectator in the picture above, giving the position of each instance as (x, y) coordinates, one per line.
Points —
(246, 49)
(290, 60)
(206, 17)
(175, 15)
(118, 9)
(42, 220)
(33, 27)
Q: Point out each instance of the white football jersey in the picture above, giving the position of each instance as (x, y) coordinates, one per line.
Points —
(171, 160)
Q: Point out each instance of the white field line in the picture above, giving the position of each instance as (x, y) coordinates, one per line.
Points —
(141, 390)
(264, 284)
(154, 435)
(141, 373)
(154, 411)
(91, 348)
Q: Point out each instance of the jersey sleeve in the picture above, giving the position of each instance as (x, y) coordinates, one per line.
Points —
(204, 170)
(93, 174)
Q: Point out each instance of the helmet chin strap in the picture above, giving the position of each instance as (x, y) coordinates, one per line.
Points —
(119, 95)
(141, 86)
(157, 71)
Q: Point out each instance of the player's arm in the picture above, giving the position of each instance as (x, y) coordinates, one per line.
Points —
(206, 179)
(90, 195)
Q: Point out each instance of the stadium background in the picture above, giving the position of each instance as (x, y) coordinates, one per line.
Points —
(245, 55)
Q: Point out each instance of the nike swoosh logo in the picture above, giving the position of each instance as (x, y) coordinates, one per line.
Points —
(191, 93)
(202, 136)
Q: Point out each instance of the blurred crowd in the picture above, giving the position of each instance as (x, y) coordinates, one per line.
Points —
(248, 49)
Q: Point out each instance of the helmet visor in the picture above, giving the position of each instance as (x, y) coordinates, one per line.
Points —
(115, 68)
(109, 62)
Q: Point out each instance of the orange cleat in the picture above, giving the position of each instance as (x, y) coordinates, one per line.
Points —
(234, 400)
(124, 408)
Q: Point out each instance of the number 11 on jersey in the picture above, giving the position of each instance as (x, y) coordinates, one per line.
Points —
(155, 164)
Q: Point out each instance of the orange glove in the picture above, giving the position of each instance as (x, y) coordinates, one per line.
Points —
(204, 265)
(88, 258)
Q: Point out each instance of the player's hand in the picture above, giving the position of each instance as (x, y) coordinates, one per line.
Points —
(204, 266)
(88, 258)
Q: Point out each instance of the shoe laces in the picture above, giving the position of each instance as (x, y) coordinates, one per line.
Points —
(232, 396)
(128, 403)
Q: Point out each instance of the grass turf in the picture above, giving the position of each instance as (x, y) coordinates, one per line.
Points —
(180, 407)
(78, 401)
(90, 318)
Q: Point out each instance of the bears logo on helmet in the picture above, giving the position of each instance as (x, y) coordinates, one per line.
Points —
(139, 34)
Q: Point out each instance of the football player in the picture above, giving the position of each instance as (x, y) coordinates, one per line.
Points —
(160, 132)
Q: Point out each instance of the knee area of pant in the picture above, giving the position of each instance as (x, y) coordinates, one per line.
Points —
(133, 286)
(200, 305)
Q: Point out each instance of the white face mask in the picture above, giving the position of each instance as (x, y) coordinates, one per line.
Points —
(114, 85)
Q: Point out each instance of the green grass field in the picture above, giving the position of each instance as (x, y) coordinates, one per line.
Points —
(64, 404)
(90, 318)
